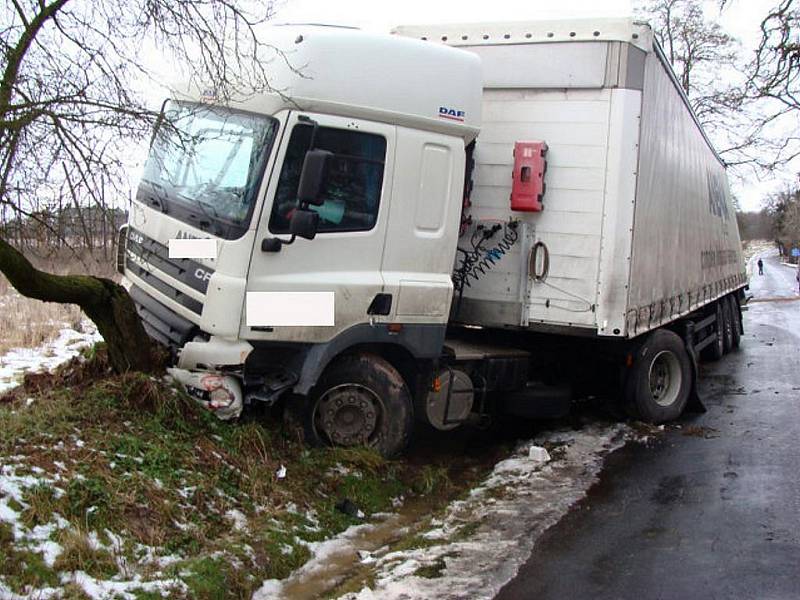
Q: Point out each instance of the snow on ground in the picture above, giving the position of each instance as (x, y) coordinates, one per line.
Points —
(15, 363)
(39, 540)
(481, 541)
(322, 553)
(515, 504)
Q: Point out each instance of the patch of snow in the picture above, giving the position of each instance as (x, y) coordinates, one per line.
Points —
(49, 550)
(535, 495)
(8, 514)
(321, 553)
(41, 594)
(366, 558)
(538, 454)
(313, 519)
(102, 589)
(238, 519)
(165, 561)
(69, 343)
(12, 487)
(268, 590)
(435, 534)
(94, 541)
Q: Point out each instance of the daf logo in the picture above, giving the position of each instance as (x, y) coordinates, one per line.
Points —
(202, 274)
(446, 112)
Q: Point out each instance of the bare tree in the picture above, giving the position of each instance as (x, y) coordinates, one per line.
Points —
(69, 112)
(774, 76)
(699, 51)
(784, 208)
(776, 68)
(709, 64)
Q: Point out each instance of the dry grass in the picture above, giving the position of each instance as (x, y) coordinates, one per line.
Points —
(27, 323)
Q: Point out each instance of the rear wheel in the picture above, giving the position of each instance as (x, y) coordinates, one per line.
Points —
(727, 325)
(361, 400)
(659, 381)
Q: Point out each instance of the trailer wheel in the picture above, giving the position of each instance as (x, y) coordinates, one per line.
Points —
(736, 319)
(716, 350)
(727, 325)
(360, 400)
(659, 381)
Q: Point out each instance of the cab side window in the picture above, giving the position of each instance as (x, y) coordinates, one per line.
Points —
(352, 189)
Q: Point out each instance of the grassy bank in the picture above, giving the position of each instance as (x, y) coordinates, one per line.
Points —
(123, 485)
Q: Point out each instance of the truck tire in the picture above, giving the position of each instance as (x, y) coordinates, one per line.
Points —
(716, 350)
(360, 400)
(727, 325)
(736, 317)
(658, 383)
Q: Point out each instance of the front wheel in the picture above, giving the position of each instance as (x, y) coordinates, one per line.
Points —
(659, 380)
(360, 400)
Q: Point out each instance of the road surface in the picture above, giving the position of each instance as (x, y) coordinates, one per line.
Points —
(712, 510)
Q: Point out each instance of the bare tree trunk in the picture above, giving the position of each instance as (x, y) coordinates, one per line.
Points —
(105, 302)
(104, 216)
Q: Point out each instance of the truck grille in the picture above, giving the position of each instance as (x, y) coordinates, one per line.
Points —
(160, 323)
(149, 260)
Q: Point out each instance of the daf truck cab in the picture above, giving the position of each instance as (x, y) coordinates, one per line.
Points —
(333, 208)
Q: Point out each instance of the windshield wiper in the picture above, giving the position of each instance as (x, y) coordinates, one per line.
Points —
(201, 204)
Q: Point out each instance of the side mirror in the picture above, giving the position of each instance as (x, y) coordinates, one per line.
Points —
(312, 177)
(304, 224)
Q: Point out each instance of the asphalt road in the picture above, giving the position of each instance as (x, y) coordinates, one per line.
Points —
(712, 510)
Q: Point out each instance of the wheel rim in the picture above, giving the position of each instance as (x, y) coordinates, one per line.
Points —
(348, 415)
(665, 378)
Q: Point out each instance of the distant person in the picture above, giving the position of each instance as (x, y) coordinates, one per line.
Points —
(760, 267)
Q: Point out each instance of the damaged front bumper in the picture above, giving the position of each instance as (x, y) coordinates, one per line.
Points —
(221, 394)
(199, 370)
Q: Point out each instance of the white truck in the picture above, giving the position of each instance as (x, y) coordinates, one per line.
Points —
(444, 223)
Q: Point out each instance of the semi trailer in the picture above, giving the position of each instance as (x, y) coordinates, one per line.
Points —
(443, 224)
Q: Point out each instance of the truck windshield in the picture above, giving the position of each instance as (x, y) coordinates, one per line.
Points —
(205, 166)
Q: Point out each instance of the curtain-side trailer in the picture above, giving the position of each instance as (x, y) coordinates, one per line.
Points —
(633, 230)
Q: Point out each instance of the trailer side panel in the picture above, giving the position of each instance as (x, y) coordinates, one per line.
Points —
(686, 246)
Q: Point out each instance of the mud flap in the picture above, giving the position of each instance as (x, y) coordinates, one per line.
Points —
(694, 404)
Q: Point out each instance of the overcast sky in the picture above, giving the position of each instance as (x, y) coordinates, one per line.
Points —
(741, 18)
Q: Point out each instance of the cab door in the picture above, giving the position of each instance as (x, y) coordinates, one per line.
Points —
(311, 290)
